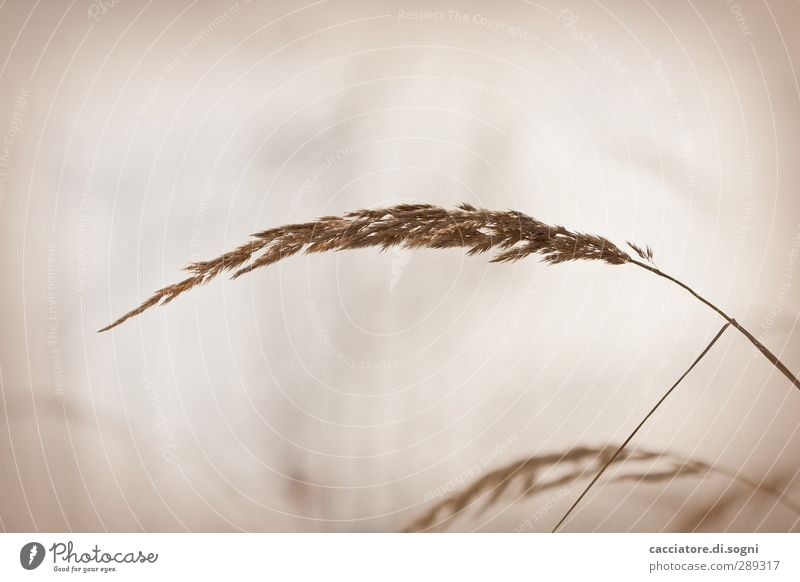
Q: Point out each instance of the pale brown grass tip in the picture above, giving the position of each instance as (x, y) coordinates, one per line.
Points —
(511, 234)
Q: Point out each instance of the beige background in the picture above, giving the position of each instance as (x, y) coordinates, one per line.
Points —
(337, 392)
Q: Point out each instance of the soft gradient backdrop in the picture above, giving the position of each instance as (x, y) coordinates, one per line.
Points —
(345, 392)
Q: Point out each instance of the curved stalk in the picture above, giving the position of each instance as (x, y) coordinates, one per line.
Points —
(511, 234)
(761, 347)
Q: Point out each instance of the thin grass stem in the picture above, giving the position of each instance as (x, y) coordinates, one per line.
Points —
(638, 428)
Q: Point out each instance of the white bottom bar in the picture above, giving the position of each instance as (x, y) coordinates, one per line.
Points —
(372, 557)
